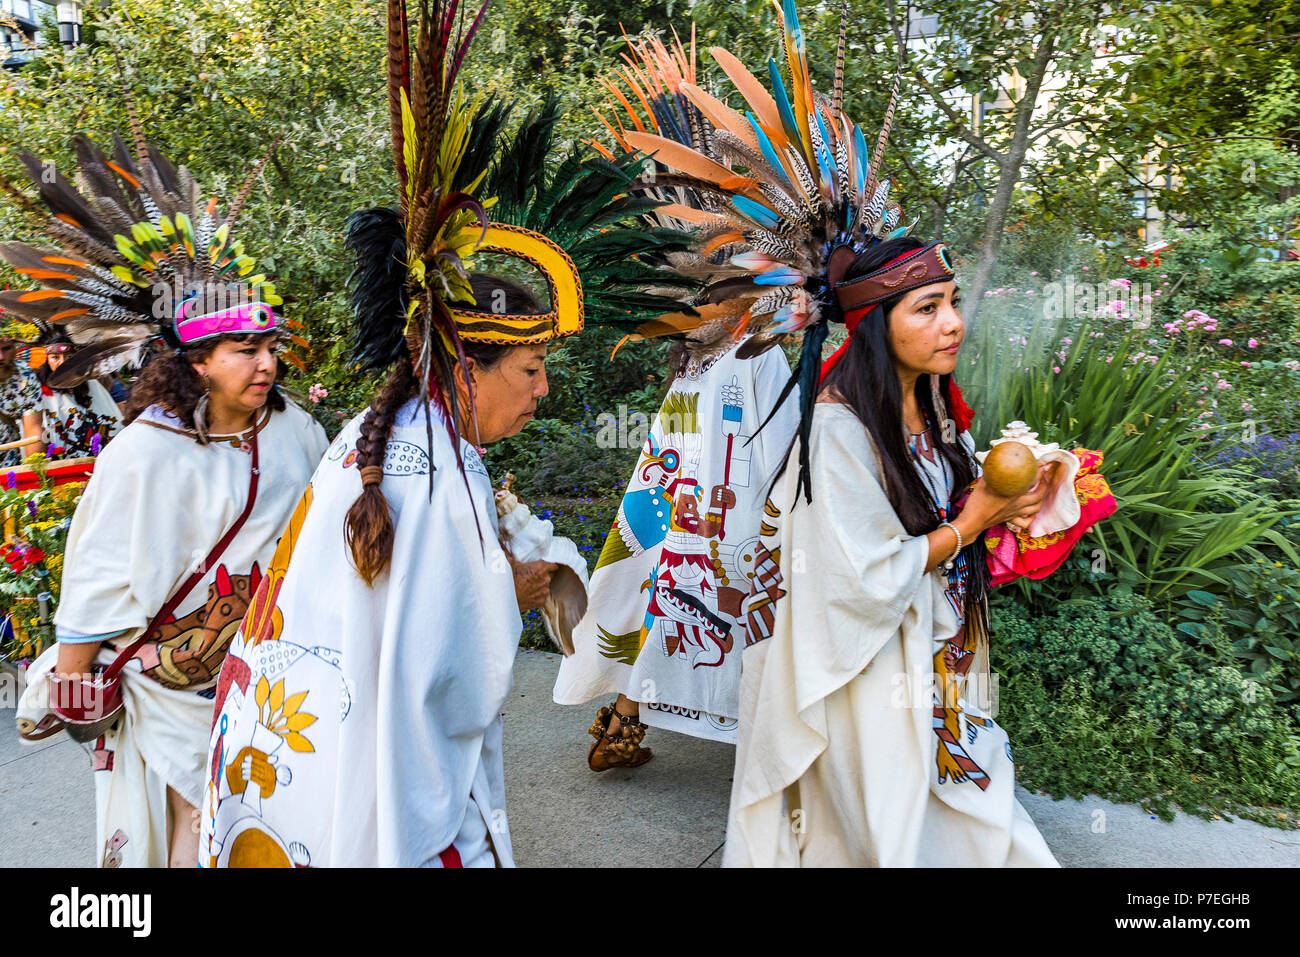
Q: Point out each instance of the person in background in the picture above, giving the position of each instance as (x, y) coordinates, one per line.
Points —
(20, 398)
(72, 418)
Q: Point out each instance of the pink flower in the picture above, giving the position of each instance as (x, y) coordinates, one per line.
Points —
(1246, 365)
(1195, 314)
(1252, 343)
(1225, 342)
(1164, 275)
(1034, 273)
(1056, 368)
(1121, 283)
(317, 392)
(1157, 292)
(1085, 268)
(1293, 365)
(1223, 384)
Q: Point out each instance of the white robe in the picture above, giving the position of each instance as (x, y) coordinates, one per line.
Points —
(840, 760)
(361, 726)
(663, 623)
(156, 504)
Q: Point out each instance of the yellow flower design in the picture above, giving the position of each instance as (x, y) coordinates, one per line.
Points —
(281, 715)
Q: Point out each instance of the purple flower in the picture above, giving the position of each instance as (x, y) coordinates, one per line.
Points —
(96, 442)
(12, 480)
(31, 507)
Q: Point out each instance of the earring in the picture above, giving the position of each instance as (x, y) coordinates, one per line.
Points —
(201, 414)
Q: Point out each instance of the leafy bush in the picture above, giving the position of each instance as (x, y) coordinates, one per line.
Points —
(1101, 696)
(1093, 383)
(1258, 616)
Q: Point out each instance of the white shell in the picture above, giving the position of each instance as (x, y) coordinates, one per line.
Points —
(530, 539)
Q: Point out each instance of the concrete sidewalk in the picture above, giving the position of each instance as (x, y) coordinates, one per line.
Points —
(669, 813)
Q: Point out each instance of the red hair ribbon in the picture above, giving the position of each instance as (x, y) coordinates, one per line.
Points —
(962, 414)
(851, 320)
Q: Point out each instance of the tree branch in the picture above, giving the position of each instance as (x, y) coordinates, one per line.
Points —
(959, 126)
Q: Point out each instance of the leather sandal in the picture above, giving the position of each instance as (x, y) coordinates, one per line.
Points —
(621, 749)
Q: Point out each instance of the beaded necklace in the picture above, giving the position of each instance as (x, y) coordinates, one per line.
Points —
(960, 571)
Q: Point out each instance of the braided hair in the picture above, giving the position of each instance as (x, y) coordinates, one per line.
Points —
(368, 527)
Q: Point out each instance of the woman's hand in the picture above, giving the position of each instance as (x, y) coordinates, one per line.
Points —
(989, 509)
(532, 583)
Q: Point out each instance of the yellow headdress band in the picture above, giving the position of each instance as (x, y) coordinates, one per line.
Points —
(566, 314)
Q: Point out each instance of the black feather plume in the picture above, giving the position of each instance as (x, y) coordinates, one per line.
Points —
(377, 286)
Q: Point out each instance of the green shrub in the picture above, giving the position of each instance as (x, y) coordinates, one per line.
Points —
(1101, 696)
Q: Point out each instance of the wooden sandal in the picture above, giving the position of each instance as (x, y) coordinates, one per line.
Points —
(620, 750)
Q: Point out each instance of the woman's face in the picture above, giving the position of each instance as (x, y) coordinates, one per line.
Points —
(240, 375)
(926, 330)
(506, 394)
(54, 360)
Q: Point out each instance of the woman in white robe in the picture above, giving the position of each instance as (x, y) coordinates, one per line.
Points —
(688, 526)
(75, 422)
(866, 736)
(358, 717)
(158, 502)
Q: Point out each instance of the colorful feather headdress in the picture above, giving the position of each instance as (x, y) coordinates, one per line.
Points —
(563, 216)
(142, 259)
(771, 194)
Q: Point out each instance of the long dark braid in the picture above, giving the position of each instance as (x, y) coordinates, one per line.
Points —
(368, 527)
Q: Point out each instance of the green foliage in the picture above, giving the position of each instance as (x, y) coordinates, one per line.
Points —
(1100, 696)
(1177, 519)
(1257, 615)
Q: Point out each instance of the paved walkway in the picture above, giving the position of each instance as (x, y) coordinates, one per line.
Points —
(671, 812)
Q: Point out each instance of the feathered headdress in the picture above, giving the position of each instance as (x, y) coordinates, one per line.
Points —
(141, 258)
(781, 198)
(562, 216)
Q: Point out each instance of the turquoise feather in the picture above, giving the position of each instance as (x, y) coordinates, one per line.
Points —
(766, 148)
(780, 276)
(783, 102)
(757, 212)
(860, 151)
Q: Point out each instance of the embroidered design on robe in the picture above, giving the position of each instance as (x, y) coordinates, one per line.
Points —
(189, 650)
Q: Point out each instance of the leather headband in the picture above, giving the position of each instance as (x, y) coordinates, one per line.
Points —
(929, 264)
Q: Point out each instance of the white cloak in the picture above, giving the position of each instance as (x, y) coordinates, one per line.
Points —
(154, 508)
(663, 623)
(360, 726)
(845, 757)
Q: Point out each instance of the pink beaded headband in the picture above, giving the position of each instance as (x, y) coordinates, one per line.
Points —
(238, 320)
